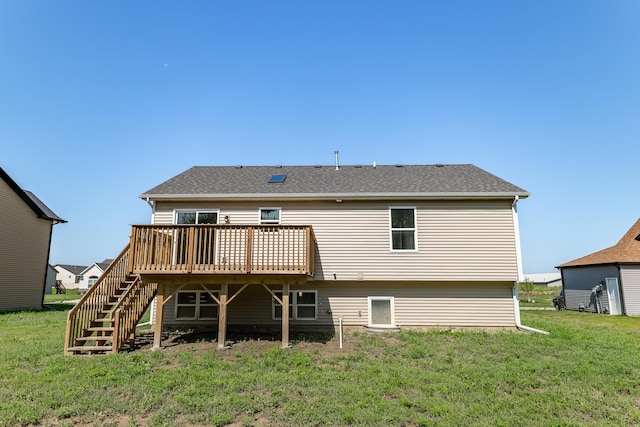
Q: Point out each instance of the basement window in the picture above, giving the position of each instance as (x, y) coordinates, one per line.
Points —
(303, 305)
(196, 305)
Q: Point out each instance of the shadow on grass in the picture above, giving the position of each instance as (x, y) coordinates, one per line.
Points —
(234, 336)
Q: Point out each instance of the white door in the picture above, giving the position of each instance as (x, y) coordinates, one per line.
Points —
(613, 290)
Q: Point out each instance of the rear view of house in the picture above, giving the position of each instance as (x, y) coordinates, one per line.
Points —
(26, 227)
(305, 247)
(607, 281)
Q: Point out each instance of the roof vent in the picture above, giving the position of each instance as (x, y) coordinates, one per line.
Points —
(398, 166)
(439, 165)
(277, 179)
(238, 166)
(357, 166)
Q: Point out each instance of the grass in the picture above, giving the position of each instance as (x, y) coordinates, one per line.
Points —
(584, 373)
(539, 297)
(72, 294)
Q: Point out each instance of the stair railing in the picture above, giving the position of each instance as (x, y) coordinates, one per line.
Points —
(90, 305)
(129, 311)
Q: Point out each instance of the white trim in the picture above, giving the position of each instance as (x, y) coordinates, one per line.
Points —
(293, 302)
(196, 211)
(269, 222)
(197, 305)
(334, 196)
(391, 299)
(516, 236)
(415, 229)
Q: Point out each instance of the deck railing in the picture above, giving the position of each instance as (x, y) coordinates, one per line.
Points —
(88, 308)
(222, 249)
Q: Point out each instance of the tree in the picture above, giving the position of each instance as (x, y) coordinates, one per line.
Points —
(526, 287)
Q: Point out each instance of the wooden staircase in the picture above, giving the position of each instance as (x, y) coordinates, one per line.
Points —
(105, 319)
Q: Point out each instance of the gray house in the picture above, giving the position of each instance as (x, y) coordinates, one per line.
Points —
(26, 229)
(607, 281)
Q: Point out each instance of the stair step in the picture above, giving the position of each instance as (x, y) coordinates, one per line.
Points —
(94, 338)
(99, 329)
(104, 320)
(90, 348)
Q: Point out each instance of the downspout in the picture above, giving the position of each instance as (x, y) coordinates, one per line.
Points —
(46, 269)
(152, 205)
(516, 307)
(516, 302)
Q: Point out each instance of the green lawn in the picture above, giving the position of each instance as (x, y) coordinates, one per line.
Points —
(586, 372)
(71, 294)
(539, 297)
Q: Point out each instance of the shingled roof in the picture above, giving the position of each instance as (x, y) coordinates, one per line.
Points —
(626, 251)
(325, 182)
(37, 206)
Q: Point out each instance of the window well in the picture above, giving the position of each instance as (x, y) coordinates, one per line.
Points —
(278, 179)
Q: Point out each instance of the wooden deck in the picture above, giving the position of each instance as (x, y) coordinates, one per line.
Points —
(222, 249)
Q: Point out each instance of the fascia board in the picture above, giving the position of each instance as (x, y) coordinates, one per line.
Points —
(329, 196)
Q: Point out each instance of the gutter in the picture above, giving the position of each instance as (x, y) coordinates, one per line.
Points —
(335, 196)
(516, 307)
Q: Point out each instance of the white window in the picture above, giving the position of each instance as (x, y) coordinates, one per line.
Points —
(381, 312)
(92, 281)
(402, 222)
(270, 216)
(196, 217)
(196, 305)
(303, 305)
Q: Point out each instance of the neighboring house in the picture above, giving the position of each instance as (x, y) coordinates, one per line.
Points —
(545, 279)
(26, 229)
(70, 275)
(607, 281)
(50, 281)
(381, 247)
(90, 275)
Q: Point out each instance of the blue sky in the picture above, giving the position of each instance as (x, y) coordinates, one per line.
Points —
(100, 101)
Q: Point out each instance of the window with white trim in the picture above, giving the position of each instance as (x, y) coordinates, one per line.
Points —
(402, 221)
(381, 312)
(270, 216)
(196, 305)
(196, 217)
(92, 281)
(303, 305)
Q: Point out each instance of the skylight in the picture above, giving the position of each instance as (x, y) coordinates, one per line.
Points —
(277, 179)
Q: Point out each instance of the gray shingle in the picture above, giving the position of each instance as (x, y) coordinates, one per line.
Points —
(383, 180)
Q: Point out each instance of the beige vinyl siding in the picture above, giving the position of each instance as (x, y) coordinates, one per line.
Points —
(23, 252)
(457, 240)
(416, 304)
(630, 277)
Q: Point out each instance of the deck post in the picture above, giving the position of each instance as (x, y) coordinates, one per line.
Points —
(285, 315)
(222, 318)
(157, 331)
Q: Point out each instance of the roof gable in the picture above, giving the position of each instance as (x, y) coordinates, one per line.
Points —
(383, 181)
(73, 269)
(36, 205)
(626, 251)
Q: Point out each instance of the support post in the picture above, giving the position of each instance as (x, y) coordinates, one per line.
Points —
(285, 315)
(222, 317)
(157, 331)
